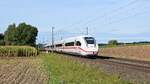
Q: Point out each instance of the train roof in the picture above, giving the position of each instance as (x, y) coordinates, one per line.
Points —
(78, 37)
(71, 39)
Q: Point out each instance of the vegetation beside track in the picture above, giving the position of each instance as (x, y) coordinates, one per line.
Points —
(17, 51)
(62, 70)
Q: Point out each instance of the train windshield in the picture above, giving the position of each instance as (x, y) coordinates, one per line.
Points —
(89, 40)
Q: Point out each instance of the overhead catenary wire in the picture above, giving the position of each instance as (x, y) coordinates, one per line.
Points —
(111, 13)
(130, 16)
(88, 19)
(104, 15)
(114, 12)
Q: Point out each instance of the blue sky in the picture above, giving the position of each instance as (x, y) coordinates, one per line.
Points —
(123, 20)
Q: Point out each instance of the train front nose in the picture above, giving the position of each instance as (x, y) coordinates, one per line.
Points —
(92, 49)
(91, 46)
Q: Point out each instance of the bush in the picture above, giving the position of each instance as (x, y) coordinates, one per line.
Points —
(17, 51)
(113, 42)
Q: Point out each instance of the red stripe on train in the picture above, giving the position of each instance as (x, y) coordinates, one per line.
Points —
(74, 47)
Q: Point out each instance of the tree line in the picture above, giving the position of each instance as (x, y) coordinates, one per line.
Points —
(23, 34)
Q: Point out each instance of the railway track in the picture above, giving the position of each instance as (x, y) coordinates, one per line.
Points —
(143, 66)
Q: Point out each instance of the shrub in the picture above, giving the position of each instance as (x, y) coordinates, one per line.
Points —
(113, 42)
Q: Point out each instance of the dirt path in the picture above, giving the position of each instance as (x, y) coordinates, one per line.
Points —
(22, 71)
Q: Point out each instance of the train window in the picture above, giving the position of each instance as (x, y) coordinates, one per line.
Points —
(69, 44)
(78, 43)
(90, 40)
(52, 46)
(58, 45)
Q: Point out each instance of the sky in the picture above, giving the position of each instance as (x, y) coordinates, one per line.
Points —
(122, 20)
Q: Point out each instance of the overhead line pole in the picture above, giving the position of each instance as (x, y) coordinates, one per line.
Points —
(87, 31)
(52, 37)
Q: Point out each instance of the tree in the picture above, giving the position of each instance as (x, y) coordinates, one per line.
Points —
(1, 36)
(26, 34)
(113, 42)
(23, 34)
(10, 35)
(2, 39)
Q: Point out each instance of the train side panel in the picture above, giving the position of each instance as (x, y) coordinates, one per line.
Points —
(83, 45)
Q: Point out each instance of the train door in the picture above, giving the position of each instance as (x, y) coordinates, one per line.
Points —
(78, 45)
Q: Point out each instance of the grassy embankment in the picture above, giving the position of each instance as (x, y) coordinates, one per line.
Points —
(64, 71)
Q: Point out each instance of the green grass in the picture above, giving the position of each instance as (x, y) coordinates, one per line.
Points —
(61, 70)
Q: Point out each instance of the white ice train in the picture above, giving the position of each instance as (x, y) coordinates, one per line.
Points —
(81, 45)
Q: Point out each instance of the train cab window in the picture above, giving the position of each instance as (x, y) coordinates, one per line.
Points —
(69, 44)
(78, 43)
(90, 40)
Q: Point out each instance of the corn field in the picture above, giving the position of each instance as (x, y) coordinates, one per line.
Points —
(17, 51)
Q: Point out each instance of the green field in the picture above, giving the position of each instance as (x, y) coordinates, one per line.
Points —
(61, 70)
